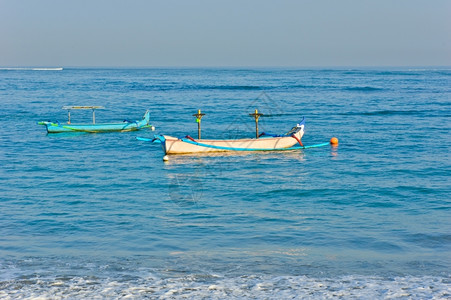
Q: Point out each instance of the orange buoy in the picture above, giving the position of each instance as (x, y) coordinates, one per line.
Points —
(334, 141)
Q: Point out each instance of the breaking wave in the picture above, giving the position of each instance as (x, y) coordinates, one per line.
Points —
(31, 69)
(217, 287)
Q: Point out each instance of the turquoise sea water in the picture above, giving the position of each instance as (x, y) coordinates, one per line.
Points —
(101, 215)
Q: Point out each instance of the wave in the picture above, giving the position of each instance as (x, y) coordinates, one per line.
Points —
(384, 113)
(399, 72)
(226, 87)
(306, 86)
(175, 86)
(295, 86)
(336, 87)
(434, 241)
(31, 69)
(194, 286)
(363, 89)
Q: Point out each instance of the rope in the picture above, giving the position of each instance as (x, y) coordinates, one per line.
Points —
(190, 138)
(296, 138)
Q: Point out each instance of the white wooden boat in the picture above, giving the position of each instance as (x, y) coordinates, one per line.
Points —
(186, 145)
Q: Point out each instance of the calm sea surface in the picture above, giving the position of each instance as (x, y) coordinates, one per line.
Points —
(101, 215)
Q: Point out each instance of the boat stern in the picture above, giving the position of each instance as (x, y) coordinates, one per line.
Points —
(162, 140)
(298, 130)
(47, 124)
(301, 127)
(146, 117)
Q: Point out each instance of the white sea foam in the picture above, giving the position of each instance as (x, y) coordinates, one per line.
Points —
(32, 69)
(244, 287)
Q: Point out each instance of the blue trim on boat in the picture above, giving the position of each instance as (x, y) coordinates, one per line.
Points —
(160, 139)
(154, 140)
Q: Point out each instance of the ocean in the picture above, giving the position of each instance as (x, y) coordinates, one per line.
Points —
(92, 216)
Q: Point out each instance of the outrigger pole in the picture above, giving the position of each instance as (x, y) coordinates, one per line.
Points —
(256, 115)
(82, 107)
(198, 116)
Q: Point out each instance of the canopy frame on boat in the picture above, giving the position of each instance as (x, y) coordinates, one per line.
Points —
(68, 108)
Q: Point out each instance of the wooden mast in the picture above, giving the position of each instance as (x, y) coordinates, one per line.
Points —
(256, 115)
(198, 116)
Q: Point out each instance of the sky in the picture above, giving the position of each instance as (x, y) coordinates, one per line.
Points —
(225, 33)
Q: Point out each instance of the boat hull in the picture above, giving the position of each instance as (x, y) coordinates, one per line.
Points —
(56, 127)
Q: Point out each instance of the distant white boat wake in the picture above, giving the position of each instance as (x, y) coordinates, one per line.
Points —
(32, 69)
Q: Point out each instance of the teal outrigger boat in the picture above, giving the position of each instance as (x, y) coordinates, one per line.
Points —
(126, 125)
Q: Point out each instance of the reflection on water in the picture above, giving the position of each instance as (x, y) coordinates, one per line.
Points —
(185, 189)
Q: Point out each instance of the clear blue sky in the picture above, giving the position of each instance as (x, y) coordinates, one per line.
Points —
(291, 33)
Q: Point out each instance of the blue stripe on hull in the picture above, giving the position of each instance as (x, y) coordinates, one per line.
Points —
(252, 149)
(55, 128)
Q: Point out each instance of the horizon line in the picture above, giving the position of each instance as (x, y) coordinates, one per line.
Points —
(60, 68)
